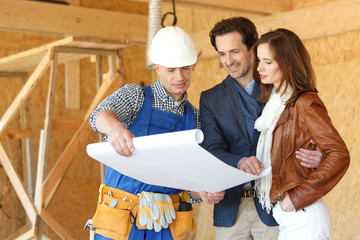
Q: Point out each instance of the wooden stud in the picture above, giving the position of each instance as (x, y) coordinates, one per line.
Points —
(44, 154)
(99, 71)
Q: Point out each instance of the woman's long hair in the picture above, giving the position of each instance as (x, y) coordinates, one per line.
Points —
(294, 62)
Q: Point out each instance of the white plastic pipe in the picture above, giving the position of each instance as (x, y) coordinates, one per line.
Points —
(154, 25)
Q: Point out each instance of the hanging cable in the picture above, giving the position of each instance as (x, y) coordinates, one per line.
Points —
(170, 13)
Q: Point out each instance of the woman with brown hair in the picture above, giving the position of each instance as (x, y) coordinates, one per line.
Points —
(293, 116)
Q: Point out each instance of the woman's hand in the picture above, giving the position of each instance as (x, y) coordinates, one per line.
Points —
(286, 204)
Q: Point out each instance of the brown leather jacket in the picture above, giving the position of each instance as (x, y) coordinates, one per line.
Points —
(300, 122)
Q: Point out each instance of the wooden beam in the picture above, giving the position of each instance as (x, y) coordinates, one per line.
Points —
(18, 186)
(14, 74)
(81, 50)
(322, 20)
(25, 91)
(62, 125)
(62, 20)
(16, 134)
(44, 151)
(261, 6)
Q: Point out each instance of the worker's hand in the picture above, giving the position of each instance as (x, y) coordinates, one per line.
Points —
(251, 165)
(212, 198)
(286, 204)
(120, 139)
(309, 158)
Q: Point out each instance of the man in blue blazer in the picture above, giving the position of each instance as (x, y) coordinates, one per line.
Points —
(227, 114)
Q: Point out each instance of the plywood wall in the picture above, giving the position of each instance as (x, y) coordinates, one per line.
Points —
(336, 60)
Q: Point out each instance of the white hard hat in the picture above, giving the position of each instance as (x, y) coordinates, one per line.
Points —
(172, 47)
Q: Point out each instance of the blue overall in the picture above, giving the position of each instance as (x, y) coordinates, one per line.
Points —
(149, 121)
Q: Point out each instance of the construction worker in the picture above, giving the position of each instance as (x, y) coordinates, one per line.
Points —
(134, 111)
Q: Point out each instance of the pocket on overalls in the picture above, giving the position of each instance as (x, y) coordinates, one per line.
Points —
(113, 219)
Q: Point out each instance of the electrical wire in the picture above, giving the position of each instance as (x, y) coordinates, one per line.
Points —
(170, 13)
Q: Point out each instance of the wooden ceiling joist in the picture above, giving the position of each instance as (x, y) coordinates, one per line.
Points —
(62, 20)
(308, 23)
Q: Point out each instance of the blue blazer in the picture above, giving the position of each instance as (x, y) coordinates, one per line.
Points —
(226, 137)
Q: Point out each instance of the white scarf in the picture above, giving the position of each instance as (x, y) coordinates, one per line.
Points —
(265, 124)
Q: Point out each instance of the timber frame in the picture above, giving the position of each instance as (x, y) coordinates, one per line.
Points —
(37, 61)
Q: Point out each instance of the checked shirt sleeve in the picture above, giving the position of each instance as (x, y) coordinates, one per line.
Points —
(126, 103)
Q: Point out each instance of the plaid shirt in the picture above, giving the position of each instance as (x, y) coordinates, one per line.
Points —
(127, 102)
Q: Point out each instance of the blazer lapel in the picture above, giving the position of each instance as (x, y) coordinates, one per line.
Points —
(234, 105)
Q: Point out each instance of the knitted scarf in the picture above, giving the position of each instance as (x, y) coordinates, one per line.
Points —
(265, 124)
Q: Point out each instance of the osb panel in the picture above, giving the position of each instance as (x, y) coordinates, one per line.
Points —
(200, 18)
(204, 19)
(117, 5)
(15, 42)
(207, 73)
(308, 3)
(338, 87)
(334, 49)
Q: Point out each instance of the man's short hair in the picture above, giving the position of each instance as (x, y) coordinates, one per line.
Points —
(242, 25)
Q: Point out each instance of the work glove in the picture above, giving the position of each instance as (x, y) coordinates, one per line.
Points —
(161, 209)
(149, 215)
(165, 206)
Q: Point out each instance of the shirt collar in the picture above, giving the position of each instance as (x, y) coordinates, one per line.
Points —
(165, 96)
(249, 88)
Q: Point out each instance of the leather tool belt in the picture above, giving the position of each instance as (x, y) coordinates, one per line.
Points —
(117, 210)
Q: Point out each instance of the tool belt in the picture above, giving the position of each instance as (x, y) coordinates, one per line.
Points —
(117, 210)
